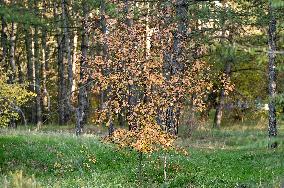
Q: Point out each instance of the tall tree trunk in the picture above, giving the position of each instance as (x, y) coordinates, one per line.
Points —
(180, 36)
(67, 57)
(176, 65)
(44, 70)
(104, 48)
(104, 93)
(12, 64)
(128, 21)
(74, 50)
(61, 93)
(20, 70)
(12, 60)
(148, 32)
(220, 105)
(61, 81)
(45, 67)
(20, 74)
(37, 79)
(227, 72)
(30, 68)
(74, 45)
(82, 98)
(272, 127)
(132, 96)
(3, 41)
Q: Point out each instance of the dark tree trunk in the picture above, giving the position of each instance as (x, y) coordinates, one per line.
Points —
(181, 13)
(175, 65)
(104, 29)
(20, 75)
(29, 54)
(132, 96)
(104, 93)
(20, 71)
(30, 69)
(128, 21)
(211, 103)
(3, 41)
(67, 59)
(220, 105)
(61, 94)
(227, 71)
(61, 82)
(272, 127)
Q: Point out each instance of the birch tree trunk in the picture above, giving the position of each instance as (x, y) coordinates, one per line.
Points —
(12, 53)
(74, 46)
(148, 31)
(45, 66)
(37, 79)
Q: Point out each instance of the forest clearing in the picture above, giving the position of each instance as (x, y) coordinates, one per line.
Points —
(228, 158)
(141, 93)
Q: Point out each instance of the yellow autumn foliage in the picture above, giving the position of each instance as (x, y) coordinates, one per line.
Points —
(12, 97)
(146, 139)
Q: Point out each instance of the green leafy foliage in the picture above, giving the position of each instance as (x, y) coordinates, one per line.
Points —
(277, 3)
(18, 14)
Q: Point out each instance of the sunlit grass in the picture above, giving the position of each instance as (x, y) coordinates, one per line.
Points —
(217, 158)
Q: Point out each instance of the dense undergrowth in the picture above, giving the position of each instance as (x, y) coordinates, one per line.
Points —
(216, 159)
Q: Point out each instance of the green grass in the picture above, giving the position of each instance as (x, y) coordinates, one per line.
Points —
(216, 159)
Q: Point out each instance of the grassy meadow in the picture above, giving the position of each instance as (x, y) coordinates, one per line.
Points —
(216, 158)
